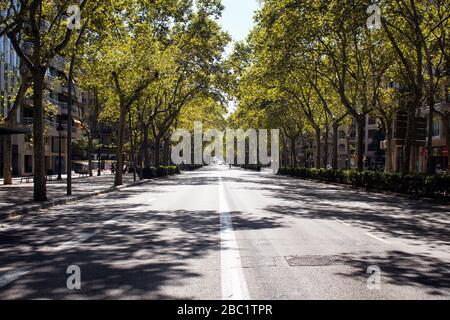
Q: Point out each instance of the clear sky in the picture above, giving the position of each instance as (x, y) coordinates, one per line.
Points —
(237, 17)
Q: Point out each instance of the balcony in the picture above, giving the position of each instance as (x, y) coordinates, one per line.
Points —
(77, 95)
(62, 105)
(54, 124)
(440, 107)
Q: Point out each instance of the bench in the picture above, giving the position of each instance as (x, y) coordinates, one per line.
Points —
(83, 173)
(49, 176)
(27, 178)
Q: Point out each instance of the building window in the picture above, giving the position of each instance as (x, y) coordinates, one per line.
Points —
(436, 127)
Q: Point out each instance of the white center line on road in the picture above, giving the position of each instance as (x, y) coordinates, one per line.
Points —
(12, 276)
(234, 286)
(377, 238)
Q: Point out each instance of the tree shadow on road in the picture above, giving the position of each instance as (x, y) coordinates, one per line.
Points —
(133, 251)
(397, 217)
(403, 269)
(393, 215)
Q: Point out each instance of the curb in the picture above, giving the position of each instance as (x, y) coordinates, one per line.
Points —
(15, 213)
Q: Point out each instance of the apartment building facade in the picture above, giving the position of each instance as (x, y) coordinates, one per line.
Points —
(373, 155)
(56, 102)
(441, 131)
(9, 82)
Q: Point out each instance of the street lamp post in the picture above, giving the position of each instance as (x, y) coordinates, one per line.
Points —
(60, 130)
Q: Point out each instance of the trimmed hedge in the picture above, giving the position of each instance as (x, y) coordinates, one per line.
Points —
(151, 173)
(191, 167)
(421, 185)
(253, 167)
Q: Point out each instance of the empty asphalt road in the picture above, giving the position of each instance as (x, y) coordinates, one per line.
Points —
(230, 234)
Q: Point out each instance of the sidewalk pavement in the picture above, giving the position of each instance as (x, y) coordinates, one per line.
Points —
(17, 199)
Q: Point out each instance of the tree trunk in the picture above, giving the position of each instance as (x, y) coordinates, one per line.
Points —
(167, 151)
(412, 107)
(430, 162)
(389, 151)
(325, 154)
(283, 152)
(141, 151)
(294, 152)
(40, 184)
(335, 145)
(164, 146)
(410, 128)
(146, 145)
(7, 160)
(349, 152)
(360, 123)
(157, 144)
(318, 148)
(90, 155)
(133, 159)
(447, 125)
(99, 161)
(118, 179)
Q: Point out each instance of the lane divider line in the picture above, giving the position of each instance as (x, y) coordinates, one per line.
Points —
(234, 286)
(366, 233)
(377, 238)
(12, 276)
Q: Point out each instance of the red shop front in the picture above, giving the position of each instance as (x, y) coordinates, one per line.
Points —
(440, 157)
